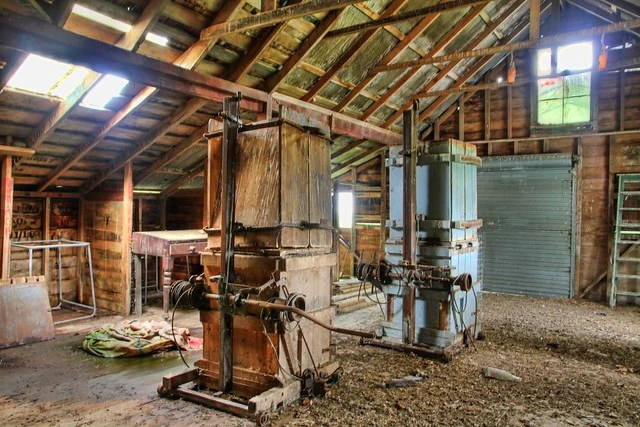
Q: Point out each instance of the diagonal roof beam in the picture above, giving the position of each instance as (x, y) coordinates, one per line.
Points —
(405, 16)
(348, 55)
(627, 6)
(307, 44)
(395, 52)
(514, 35)
(189, 59)
(601, 13)
(520, 45)
(129, 41)
(182, 181)
(474, 43)
(186, 143)
(281, 14)
(149, 139)
(358, 160)
(347, 148)
(255, 52)
(442, 43)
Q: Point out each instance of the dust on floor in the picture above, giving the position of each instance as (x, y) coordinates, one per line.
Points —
(579, 363)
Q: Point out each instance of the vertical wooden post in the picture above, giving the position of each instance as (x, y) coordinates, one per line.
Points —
(610, 210)
(383, 202)
(205, 195)
(509, 111)
(577, 256)
(461, 118)
(409, 238)
(137, 310)
(534, 19)
(46, 235)
(140, 221)
(213, 175)
(622, 100)
(487, 114)
(6, 196)
(126, 229)
(163, 213)
(436, 130)
(335, 242)
(81, 254)
(354, 242)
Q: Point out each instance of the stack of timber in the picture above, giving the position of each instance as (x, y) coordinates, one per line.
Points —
(352, 294)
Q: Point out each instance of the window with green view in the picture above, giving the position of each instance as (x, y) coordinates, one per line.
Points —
(564, 99)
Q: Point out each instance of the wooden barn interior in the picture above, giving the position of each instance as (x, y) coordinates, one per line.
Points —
(250, 156)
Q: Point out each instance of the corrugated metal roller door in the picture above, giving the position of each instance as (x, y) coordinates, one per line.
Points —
(527, 205)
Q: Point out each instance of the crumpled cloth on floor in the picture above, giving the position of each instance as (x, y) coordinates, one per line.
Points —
(133, 338)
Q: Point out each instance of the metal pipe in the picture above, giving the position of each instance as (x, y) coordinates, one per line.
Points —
(281, 307)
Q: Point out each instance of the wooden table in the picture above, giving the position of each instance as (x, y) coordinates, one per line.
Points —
(167, 245)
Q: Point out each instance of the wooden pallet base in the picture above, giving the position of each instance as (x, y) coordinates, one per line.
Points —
(257, 408)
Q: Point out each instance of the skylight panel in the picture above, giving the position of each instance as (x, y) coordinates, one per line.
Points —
(38, 74)
(107, 21)
(66, 86)
(104, 91)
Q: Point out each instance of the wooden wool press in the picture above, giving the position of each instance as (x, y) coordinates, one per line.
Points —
(265, 305)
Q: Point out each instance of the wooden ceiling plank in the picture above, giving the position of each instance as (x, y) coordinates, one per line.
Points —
(348, 55)
(170, 155)
(266, 19)
(528, 44)
(517, 32)
(361, 158)
(182, 181)
(474, 43)
(307, 44)
(129, 41)
(442, 43)
(347, 148)
(189, 59)
(395, 52)
(417, 13)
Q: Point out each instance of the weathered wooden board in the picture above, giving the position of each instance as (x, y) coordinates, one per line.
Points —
(25, 316)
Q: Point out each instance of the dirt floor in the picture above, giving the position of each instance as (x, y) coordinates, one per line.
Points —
(579, 363)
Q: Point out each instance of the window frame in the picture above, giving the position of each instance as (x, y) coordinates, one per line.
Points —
(571, 128)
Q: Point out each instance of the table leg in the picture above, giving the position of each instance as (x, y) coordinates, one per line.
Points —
(167, 269)
(138, 290)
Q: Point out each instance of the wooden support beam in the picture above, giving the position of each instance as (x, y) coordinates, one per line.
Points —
(442, 43)
(487, 114)
(460, 119)
(384, 213)
(309, 43)
(471, 72)
(349, 54)
(347, 148)
(601, 13)
(534, 19)
(622, 97)
(186, 143)
(149, 139)
(627, 6)
(447, 114)
(390, 57)
(509, 111)
(358, 160)
(6, 197)
(188, 60)
(405, 16)
(126, 230)
(10, 150)
(266, 19)
(198, 171)
(443, 73)
(513, 46)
